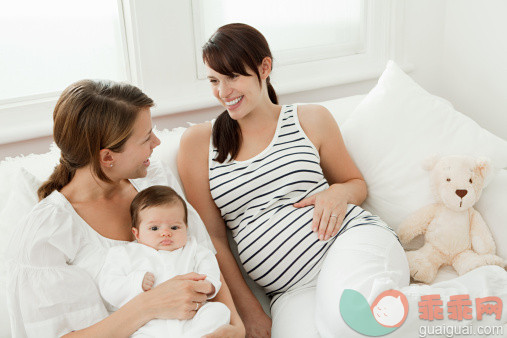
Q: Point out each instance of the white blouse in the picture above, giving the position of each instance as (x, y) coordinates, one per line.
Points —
(54, 261)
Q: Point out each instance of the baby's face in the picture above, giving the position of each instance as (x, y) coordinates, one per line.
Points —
(162, 227)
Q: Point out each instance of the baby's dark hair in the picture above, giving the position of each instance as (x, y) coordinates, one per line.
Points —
(154, 196)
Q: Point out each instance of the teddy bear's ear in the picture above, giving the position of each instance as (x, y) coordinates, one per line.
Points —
(429, 163)
(483, 166)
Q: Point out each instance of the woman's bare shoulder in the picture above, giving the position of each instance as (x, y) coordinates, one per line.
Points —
(314, 114)
(317, 122)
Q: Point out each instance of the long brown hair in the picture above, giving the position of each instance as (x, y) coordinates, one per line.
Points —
(231, 50)
(90, 116)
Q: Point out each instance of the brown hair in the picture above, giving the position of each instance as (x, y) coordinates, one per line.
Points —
(231, 50)
(154, 196)
(90, 116)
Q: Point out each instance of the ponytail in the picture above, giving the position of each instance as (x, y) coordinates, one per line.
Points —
(226, 137)
(60, 177)
(271, 91)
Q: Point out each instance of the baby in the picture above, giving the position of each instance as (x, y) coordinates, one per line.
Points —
(162, 251)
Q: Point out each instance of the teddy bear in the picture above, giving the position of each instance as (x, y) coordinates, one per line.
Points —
(454, 232)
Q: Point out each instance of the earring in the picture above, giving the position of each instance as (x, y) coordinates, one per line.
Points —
(111, 165)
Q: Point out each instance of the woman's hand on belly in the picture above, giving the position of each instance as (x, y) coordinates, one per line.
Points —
(329, 211)
(176, 298)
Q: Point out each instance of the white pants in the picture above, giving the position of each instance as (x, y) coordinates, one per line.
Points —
(210, 317)
(370, 260)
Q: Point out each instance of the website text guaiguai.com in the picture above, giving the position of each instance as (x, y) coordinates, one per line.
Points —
(461, 330)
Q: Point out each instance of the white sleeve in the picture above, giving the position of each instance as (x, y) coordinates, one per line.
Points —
(48, 297)
(118, 283)
(207, 264)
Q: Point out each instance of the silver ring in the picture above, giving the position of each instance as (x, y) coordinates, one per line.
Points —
(196, 306)
(333, 216)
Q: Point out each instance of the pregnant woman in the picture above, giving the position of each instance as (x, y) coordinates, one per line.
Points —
(280, 178)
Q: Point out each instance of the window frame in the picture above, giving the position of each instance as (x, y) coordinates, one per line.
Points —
(30, 123)
(160, 52)
(284, 57)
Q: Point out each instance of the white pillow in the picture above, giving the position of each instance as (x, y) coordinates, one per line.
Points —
(19, 200)
(167, 151)
(39, 165)
(341, 108)
(395, 127)
(492, 206)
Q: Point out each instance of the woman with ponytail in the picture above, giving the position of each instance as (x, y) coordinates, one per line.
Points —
(104, 132)
(280, 178)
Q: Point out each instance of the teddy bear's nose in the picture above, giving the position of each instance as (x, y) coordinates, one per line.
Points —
(461, 193)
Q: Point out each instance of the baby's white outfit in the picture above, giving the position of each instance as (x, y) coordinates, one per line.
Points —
(122, 275)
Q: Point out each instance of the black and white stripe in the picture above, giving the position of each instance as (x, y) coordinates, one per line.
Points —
(275, 242)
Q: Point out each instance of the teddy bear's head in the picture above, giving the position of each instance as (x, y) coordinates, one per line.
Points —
(457, 181)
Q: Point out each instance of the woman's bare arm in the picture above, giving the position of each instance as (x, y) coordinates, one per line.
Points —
(337, 165)
(346, 183)
(193, 170)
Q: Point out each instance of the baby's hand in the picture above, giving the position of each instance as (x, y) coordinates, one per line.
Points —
(210, 287)
(148, 281)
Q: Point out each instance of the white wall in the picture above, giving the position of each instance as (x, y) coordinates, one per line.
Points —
(474, 63)
(424, 40)
(456, 46)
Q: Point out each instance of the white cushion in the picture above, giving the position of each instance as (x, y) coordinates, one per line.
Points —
(395, 127)
(341, 108)
(492, 206)
(167, 151)
(17, 202)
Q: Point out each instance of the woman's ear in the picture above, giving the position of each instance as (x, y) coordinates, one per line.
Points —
(265, 67)
(106, 158)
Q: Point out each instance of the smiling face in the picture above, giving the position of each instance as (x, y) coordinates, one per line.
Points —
(239, 94)
(162, 227)
(133, 160)
(238, 62)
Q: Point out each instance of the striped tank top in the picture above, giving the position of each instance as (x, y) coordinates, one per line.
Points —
(275, 242)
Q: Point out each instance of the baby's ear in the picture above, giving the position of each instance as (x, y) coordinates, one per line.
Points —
(429, 163)
(135, 232)
(483, 166)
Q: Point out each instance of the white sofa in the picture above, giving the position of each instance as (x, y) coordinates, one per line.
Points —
(386, 133)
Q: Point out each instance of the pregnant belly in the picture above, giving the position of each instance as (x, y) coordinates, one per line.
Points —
(281, 249)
